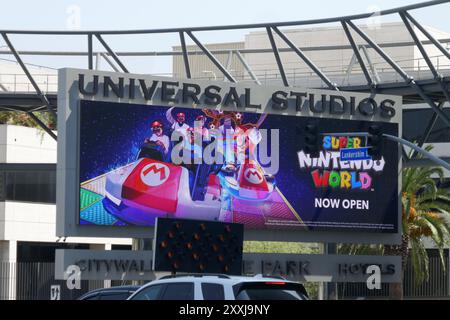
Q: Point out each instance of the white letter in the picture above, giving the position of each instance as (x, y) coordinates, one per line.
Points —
(374, 280)
(73, 21)
(73, 276)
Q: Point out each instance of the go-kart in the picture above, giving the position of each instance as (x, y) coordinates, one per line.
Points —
(153, 187)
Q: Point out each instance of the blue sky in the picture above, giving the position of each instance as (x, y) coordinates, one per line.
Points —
(140, 14)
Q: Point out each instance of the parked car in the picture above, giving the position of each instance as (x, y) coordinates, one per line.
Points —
(113, 293)
(220, 287)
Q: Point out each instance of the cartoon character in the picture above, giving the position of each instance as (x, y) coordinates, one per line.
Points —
(178, 124)
(153, 187)
(158, 136)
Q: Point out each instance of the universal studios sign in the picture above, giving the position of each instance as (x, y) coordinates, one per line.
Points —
(119, 92)
(165, 91)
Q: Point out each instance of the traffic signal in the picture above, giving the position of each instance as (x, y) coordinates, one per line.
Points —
(312, 140)
(375, 142)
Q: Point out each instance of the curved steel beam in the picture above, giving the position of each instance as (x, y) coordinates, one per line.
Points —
(234, 27)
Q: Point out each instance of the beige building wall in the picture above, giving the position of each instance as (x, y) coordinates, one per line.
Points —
(202, 67)
(334, 63)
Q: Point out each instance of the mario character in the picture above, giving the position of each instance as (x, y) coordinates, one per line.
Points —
(158, 136)
(178, 124)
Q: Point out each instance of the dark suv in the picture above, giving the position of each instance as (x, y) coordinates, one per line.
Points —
(113, 293)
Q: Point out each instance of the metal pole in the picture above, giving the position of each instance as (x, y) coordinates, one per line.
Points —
(236, 27)
(402, 141)
(277, 57)
(90, 55)
(211, 57)
(425, 153)
(305, 59)
(41, 95)
(97, 61)
(109, 62)
(369, 79)
(42, 125)
(28, 74)
(111, 53)
(408, 79)
(429, 128)
(422, 50)
(371, 64)
(247, 67)
(228, 64)
(427, 34)
(185, 55)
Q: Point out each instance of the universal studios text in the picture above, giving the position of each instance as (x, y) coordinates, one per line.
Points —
(234, 97)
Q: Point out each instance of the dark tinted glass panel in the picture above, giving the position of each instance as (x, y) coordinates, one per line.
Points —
(114, 296)
(29, 185)
(213, 291)
(269, 294)
(2, 186)
(415, 121)
(149, 293)
(179, 291)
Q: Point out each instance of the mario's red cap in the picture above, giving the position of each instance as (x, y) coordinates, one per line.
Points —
(156, 124)
(180, 114)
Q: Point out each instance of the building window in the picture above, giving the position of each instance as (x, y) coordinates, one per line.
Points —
(28, 183)
(415, 122)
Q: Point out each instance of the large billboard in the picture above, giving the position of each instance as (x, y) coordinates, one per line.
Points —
(132, 148)
(140, 162)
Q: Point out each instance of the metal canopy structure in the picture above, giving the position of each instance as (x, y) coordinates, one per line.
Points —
(434, 90)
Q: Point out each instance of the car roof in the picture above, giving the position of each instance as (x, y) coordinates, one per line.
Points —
(225, 279)
(115, 288)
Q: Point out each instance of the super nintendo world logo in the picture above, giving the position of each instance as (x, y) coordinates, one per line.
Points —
(333, 172)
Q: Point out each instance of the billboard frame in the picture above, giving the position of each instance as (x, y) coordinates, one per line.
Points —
(70, 93)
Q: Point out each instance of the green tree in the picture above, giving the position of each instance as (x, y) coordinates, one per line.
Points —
(425, 214)
(23, 119)
(287, 247)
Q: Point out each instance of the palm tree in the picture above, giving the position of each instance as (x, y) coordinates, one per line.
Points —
(425, 214)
